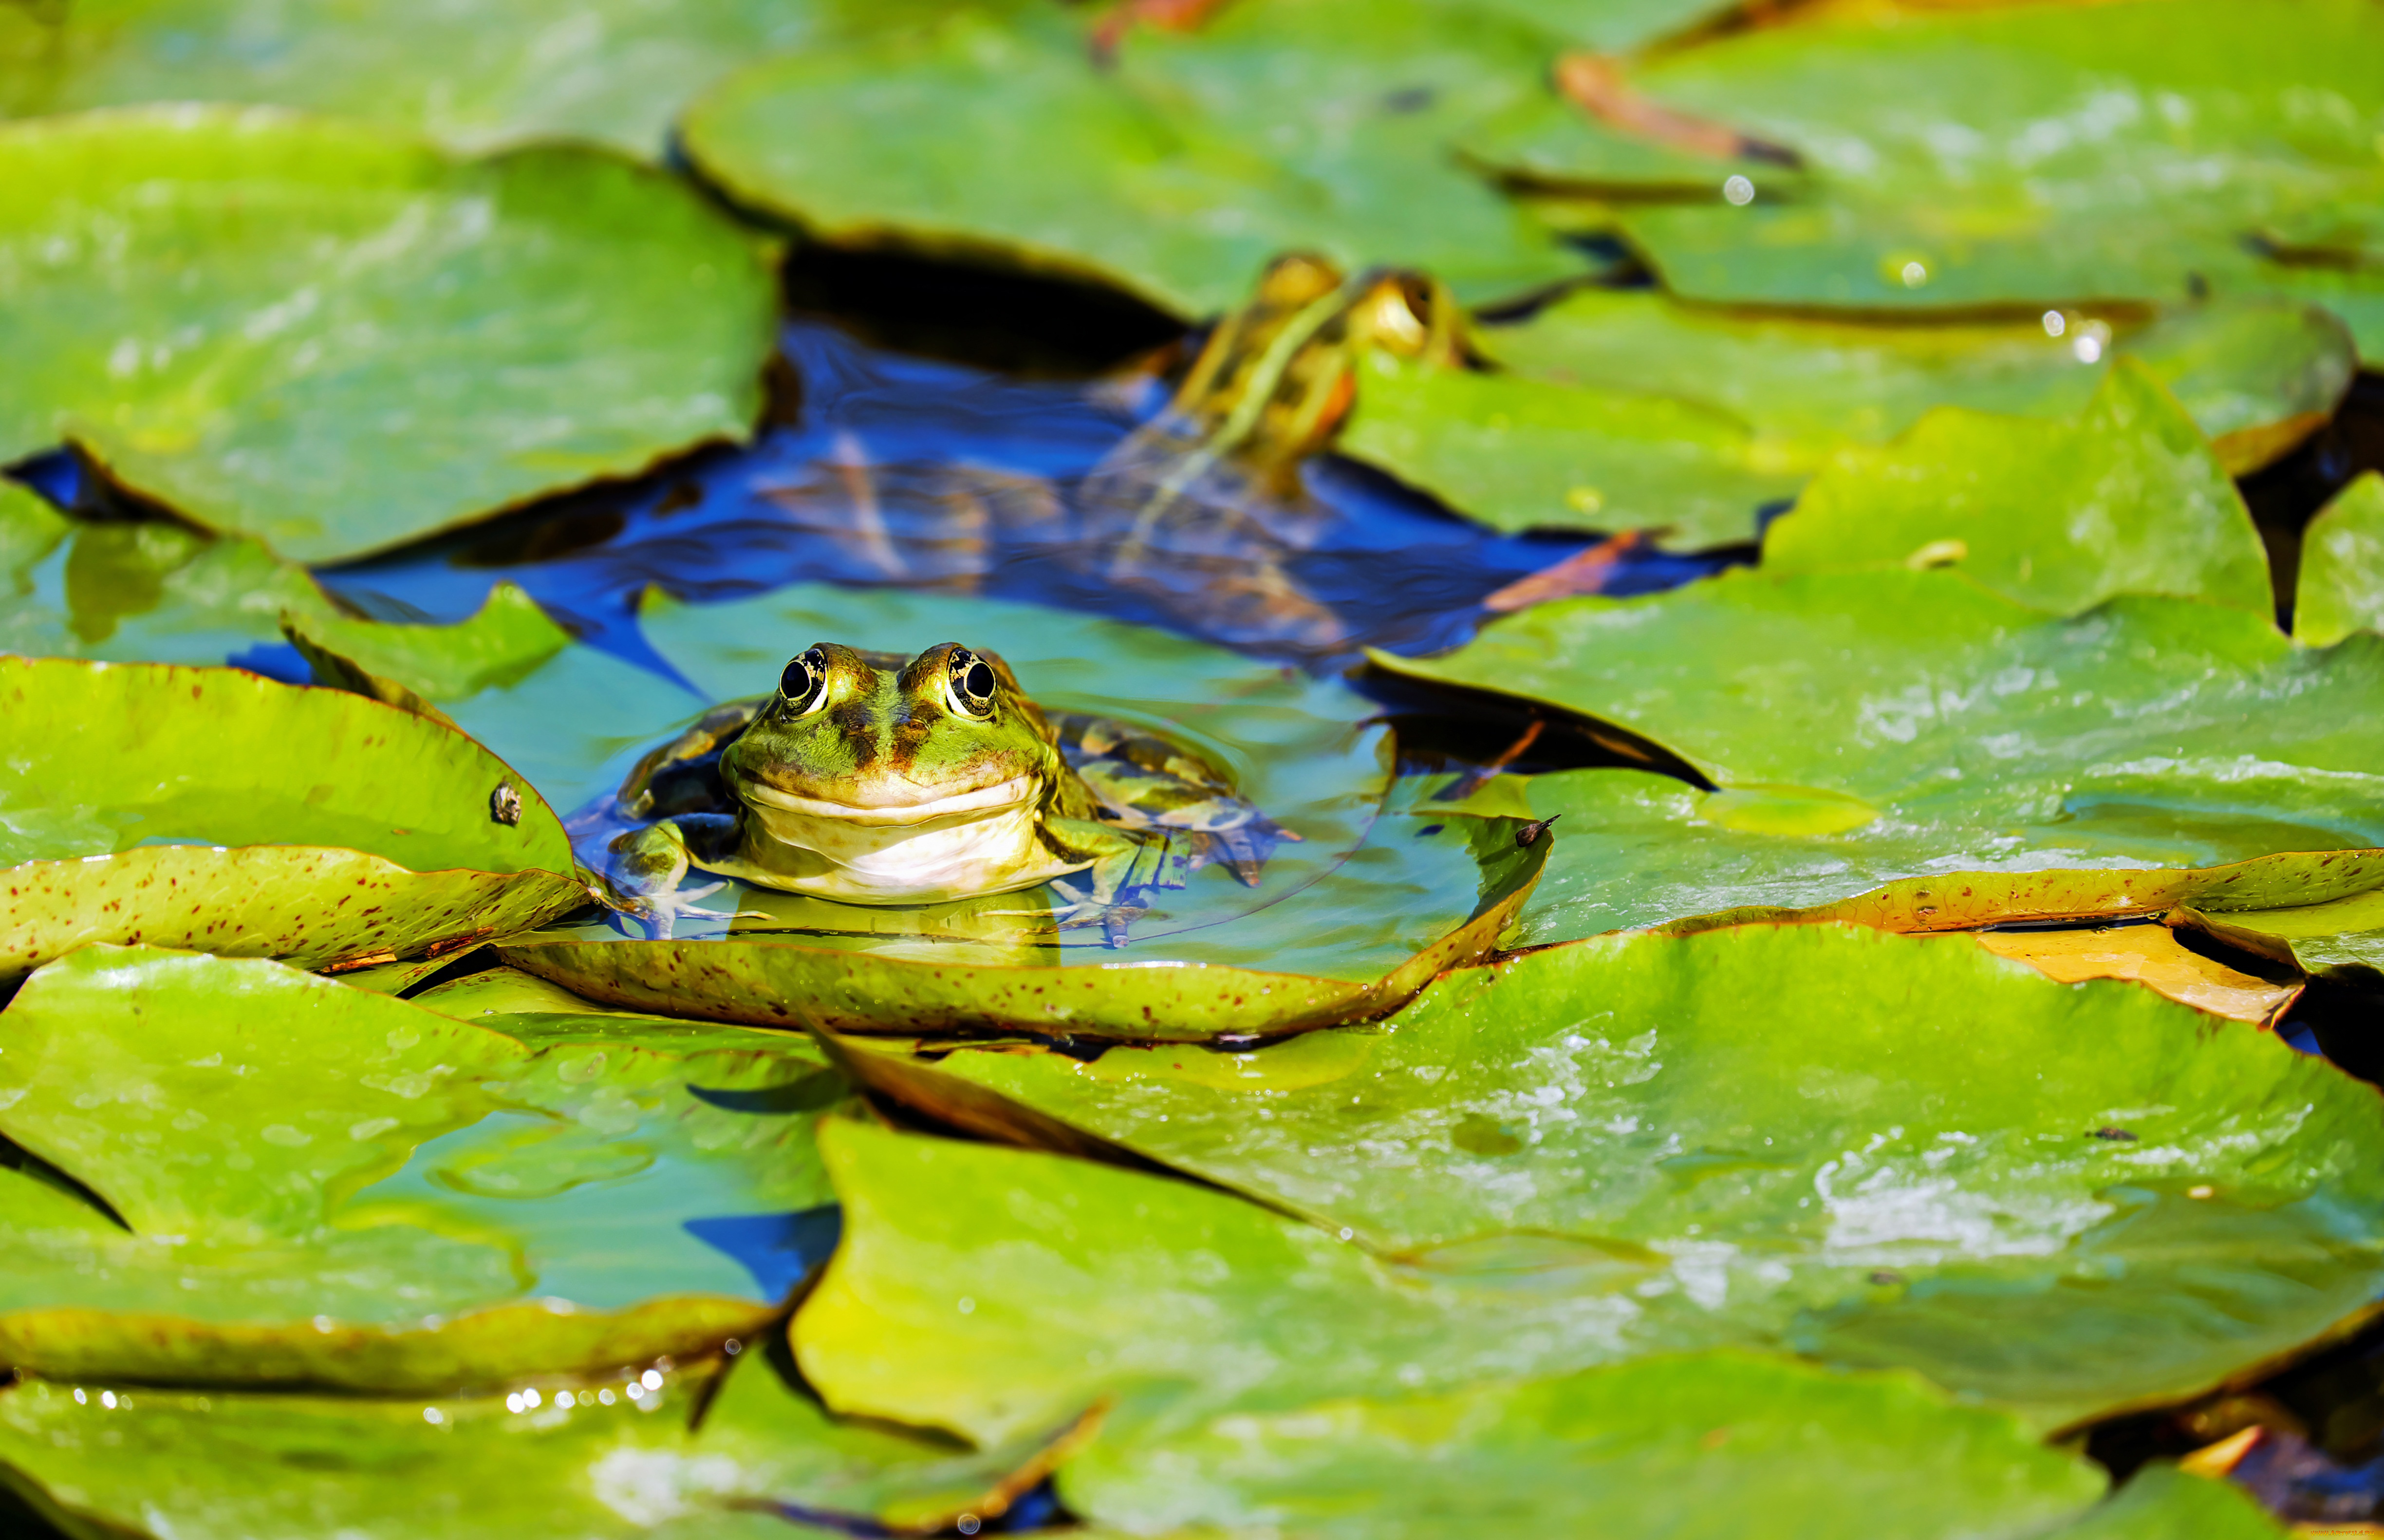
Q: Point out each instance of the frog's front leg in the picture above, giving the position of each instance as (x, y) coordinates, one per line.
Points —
(1125, 862)
(645, 866)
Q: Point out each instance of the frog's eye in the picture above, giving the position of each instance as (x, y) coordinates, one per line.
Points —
(802, 681)
(972, 683)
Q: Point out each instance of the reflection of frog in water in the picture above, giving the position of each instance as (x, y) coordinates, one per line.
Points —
(1200, 512)
(872, 779)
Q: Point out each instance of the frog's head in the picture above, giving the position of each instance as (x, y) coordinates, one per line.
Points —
(876, 739)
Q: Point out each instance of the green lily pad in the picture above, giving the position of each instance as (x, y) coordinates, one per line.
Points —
(322, 1185)
(1979, 156)
(1869, 727)
(2160, 1501)
(2125, 497)
(164, 805)
(2342, 585)
(2062, 1199)
(1175, 174)
(615, 71)
(1351, 919)
(1520, 453)
(500, 645)
(1613, 25)
(2344, 933)
(1721, 1445)
(786, 984)
(2256, 375)
(337, 340)
(527, 1007)
(585, 1462)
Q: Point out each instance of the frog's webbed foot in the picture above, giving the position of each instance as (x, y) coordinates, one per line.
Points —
(644, 869)
(1244, 849)
(1084, 908)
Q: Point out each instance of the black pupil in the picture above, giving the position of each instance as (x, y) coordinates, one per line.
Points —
(795, 684)
(976, 682)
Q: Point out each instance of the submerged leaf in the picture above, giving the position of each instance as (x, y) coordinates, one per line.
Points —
(140, 592)
(337, 340)
(2063, 1198)
(324, 1185)
(2148, 752)
(2125, 497)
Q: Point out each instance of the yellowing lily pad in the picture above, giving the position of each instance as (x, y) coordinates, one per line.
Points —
(2063, 1198)
(583, 1461)
(213, 809)
(2125, 497)
(2147, 752)
(2341, 584)
(1176, 173)
(337, 339)
(2151, 955)
(323, 1185)
(2256, 375)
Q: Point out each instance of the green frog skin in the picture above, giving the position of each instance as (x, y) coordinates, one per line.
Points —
(872, 779)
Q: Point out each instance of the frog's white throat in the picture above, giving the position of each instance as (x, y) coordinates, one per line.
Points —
(982, 842)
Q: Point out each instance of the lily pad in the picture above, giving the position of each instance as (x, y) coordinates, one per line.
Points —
(1175, 174)
(785, 983)
(155, 803)
(2346, 933)
(1351, 919)
(2256, 375)
(1520, 453)
(2160, 1501)
(582, 1462)
(473, 77)
(1723, 1446)
(1968, 156)
(2125, 497)
(499, 645)
(139, 592)
(2341, 584)
(337, 339)
(2154, 957)
(1992, 761)
(322, 1185)
(2064, 1199)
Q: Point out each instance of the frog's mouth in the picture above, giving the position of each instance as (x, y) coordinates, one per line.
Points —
(888, 813)
(955, 845)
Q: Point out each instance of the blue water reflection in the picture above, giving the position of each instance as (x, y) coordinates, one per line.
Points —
(897, 471)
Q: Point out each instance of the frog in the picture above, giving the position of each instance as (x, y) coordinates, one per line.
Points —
(881, 778)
